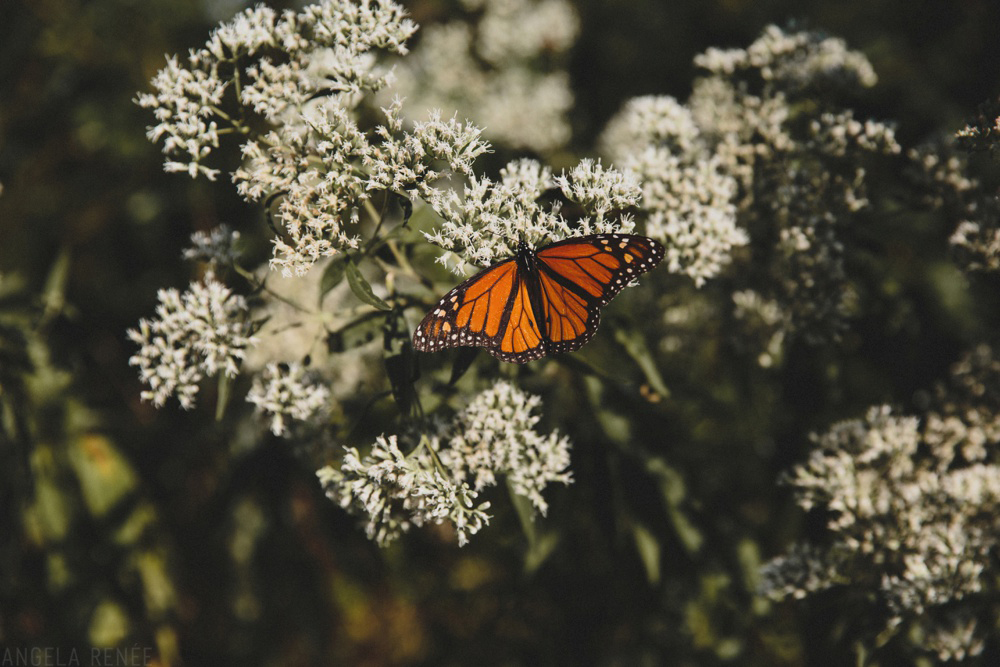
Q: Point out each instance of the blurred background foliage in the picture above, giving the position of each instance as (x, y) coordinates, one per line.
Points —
(126, 526)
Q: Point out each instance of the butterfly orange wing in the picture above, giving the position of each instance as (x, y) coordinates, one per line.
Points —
(492, 309)
(578, 276)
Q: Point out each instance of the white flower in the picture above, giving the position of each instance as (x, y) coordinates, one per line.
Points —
(289, 391)
(912, 506)
(495, 435)
(793, 60)
(199, 333)
(686, 191)
(488, 221)
(439, 480)
(326, 49)
(397, 491)
(216, 247)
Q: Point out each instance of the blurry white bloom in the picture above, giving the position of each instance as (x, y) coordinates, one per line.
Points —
(397, 491)
(763, 319)
(495, 435)
(491, 71)
(487, 221)
(793, 60)
(913, 507)
(326, 49)
(760, 156)
(289, 391)
(979, 244)
(216, 247)
(956, 637)
(199, 333)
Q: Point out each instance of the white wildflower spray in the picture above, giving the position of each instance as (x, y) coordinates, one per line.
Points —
(441, 477)
(196, 334)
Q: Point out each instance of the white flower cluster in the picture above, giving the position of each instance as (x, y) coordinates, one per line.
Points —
(398, 491)
(217, 247)
(488, 220)
(494, 435)
(325, 172)
(271, 63)
(760, 156)
(490, 71)
(688, 196)
(947, 189)
(793, 60)
(914, 511)
(199, 333)
(983, 134)
(289, 391)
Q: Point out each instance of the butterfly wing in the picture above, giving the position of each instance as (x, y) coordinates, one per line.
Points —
(578, 276)
(498, 307)
(492, 309)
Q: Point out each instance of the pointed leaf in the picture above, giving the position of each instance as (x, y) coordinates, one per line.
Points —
(362, 289)
(525, 513)
(332, 275)
(649, 551)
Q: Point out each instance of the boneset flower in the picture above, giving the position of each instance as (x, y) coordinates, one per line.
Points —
(442, 476)
(197, 334)
(912, 506)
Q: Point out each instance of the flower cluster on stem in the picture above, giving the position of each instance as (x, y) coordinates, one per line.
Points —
(445, 472)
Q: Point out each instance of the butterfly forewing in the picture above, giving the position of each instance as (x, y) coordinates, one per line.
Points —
(472, 313)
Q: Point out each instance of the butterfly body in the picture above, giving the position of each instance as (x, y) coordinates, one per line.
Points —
(538, 302)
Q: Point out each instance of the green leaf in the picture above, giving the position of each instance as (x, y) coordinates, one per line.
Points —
(635, 346)
(649, 551)
(672, 487)
(362, 289)
(525, 513)
(332, 275)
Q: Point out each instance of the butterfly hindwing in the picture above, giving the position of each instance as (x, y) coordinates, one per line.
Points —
(522, 338)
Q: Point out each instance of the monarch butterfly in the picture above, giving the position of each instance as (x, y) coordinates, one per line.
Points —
(538, 302)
